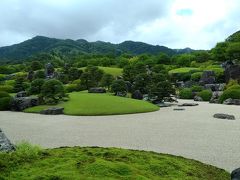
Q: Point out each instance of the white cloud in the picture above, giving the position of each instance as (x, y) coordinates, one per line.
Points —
(197, 24)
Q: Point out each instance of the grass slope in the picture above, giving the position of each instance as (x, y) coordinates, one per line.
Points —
(82, 103)
(183, 70)
(101, 163)
(110, 70)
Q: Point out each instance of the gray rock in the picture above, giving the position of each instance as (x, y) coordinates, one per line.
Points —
(53, 111)
(121, 94)
(232, 72)
(21, 103)
(5, 144)
(215, 97)
(224, 116)
(178, 109)
(231, 101)
(163, 105)
(235, 175)
(197, 98)
(188, 104)
(49, 71)
(208, 77)
(97, 90)
(21, 94)
(215, 87)
(137, 95)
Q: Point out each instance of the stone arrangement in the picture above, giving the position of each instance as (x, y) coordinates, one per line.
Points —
(5, 144)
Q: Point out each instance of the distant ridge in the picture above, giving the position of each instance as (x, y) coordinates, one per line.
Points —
(41, 44)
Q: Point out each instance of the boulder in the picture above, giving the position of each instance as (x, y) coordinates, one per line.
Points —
(231, 101)
(197, 98)
(52, 111)
(215, 87)
(188, 104)
(21, 94)
(97, 90)
(235, 175)
(49, 71)
(21, 103)
(121, 94)
(163, 105)
(137, 95)
(208, 77)
(232, 72)
(215, 96)
(5, 144)
(224, 116)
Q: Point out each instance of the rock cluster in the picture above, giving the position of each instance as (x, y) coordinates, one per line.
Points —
(231, 101)
(21, 103)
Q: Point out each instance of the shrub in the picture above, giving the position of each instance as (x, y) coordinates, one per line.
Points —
(231, 83)
(52, 91)
(5, 100)
(232, 92)
(185, 93)
(196, 76)
(36, 86)
(6, 88)
(71, 87)
(196, 88)
(205, 95)
(119, 86)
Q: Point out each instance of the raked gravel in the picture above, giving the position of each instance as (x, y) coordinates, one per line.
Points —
(192, 133)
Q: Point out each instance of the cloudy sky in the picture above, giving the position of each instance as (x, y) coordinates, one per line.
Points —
(198, 24)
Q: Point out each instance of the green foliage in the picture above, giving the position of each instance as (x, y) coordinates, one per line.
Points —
(39, 74)
(233, 51)
(36, 86)
(19, 85)
(196, 76)
(74, 73)
(205, 95)
(89, 104)
(105, 163)
(71, 88)
(6, 88)
(141, 83)
(233, 93)
(107, 80)
(163, 58)
(52, 91)
(91, 77)
(185, 59)
(231, 82)
(36, 65)
(196, 88)
(184, 70)
(185, 93)
(219, 52)
(119, 86)
(5, 100)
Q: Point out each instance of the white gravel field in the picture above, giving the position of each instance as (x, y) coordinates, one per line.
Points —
(192, 133)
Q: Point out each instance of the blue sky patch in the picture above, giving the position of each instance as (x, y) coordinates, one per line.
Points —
(184, 12)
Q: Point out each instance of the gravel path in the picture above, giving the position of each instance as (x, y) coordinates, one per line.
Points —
(192, 133)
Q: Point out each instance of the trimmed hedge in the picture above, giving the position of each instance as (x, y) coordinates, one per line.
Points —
(5, 100)
(230, 93)
(196, 76)
(205, 95)
(186, 93)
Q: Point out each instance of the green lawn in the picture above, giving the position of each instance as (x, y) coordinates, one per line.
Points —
(30, 162)
(183, 70)
(110, 70)
(88, 104)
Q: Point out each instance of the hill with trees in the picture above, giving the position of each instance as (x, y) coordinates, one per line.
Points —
(68, 47)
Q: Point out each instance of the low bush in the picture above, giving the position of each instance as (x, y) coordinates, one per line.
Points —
(231, 83)
(205, 95)
(233, 93)
(185, 93)
(196, 88)
(196, 76)
(6, 88)
(5, 100)
(71, 88)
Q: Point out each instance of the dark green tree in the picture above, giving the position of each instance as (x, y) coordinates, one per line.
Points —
(36, 65)
(36, 86)
(119, 86)
(107, 80)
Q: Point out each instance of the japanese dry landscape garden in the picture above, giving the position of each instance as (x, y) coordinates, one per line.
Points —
(73, 109)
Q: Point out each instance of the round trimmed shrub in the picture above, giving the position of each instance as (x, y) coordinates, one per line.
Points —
(234, 87)
(230, 93)
(196, 76)
(185, 93)
(71, 87)
(36, 86)
(6, 88)
(205, 95)
(196, 88)
(5, 100)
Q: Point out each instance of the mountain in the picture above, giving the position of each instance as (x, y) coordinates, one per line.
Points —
(41, 44)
